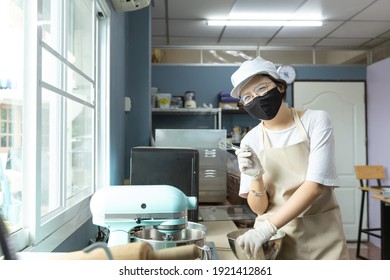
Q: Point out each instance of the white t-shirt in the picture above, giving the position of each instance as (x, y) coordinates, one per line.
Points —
(318, 127)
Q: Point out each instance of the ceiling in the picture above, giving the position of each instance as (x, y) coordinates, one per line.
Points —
(351, 24)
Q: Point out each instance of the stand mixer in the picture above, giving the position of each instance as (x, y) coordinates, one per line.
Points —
(122, 208)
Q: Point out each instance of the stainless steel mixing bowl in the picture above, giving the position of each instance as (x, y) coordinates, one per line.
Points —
(197, 226)
(160, 240)
(270, 248)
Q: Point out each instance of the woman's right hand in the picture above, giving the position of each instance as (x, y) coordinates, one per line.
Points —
(249, 163)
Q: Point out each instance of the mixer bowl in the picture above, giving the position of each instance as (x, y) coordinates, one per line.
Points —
(269, 251)
(193, 234)
(197, 226)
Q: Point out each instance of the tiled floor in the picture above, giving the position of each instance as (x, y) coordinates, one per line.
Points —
(366, 249)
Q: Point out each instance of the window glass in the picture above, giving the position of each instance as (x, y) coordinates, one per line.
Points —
(80, 149)
(47, 95)
(67, 110)
(227, 56)
(50, 179)
(50, 20)
(336, 57)
(11, 105)
(80, 35)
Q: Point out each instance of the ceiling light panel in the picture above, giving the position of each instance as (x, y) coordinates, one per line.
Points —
(264, 22)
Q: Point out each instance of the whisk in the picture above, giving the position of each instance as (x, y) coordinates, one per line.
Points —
(226, 144)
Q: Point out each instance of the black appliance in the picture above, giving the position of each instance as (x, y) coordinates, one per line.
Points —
(178, 167)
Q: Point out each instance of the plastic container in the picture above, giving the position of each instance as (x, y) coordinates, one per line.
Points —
(163, 100)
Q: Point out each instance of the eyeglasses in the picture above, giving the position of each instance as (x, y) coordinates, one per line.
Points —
(259, 90)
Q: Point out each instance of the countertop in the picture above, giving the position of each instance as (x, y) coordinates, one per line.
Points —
(216, 232)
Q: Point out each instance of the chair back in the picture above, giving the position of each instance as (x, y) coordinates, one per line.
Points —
(369, 172)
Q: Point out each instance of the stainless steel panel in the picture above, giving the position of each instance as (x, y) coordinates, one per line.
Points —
(212, 160)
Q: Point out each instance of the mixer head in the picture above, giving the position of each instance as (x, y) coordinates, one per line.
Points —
(121, 208)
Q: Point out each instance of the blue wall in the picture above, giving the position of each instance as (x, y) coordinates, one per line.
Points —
(130, 77)
(208, 81)
(118, 79)
(137, 77)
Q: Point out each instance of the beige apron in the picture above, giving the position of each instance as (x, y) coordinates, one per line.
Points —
(318, 232)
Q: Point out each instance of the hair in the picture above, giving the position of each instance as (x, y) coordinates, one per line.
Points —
(280, 82)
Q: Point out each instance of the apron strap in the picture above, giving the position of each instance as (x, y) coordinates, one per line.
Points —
(298, 123)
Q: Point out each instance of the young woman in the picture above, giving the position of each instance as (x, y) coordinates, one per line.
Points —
(288, 173)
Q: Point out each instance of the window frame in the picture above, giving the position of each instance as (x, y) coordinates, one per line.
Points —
(37, 235)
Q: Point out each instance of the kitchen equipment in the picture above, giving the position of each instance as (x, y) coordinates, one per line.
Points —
(270, 248)
(194, 234)
(177, 167)
(153, 92)
(177, 102)
(131, 251)
(212, 160)
(196, 226)
(122, 208)
(189, 99)
(160, 240)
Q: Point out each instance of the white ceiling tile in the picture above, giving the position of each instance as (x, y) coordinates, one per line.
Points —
(360, 29)
(311, 31)
(376, 42)
(249, 32)
(264, 8)
(158, 9)
(243, 41)
(336, 9)
(341, 42)
(193, 28)
(158, 27)
(378, 10)
(293, 42)
(192, 41)
(187, 23)
(385, 35)
(199, 9)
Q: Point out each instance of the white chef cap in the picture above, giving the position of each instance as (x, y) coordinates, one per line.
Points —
(248, 69)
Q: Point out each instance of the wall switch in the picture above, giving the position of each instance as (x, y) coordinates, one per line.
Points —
(127, 104)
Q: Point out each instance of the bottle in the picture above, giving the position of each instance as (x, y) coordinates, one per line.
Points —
(189, 99)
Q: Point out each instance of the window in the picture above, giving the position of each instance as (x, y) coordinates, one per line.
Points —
(10, 134)
(51, 114)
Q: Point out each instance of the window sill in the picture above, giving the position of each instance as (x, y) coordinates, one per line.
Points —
(62, 233)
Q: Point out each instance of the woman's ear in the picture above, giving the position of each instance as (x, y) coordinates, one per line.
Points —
(281, 88)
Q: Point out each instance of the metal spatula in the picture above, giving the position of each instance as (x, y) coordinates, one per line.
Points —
(225, 144)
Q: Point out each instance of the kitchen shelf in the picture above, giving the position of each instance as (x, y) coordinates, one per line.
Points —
(186, 111)
(234, 111)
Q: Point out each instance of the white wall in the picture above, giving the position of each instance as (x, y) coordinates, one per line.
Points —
(378, 130)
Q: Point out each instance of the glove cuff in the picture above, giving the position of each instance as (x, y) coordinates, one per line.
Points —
(259, 175)
(268, 228)
(271, 226)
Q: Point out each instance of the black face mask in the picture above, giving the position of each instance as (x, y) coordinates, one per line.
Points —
(265, 107)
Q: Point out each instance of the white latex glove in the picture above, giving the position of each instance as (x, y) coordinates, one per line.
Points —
(253, 239)
(248, 162)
